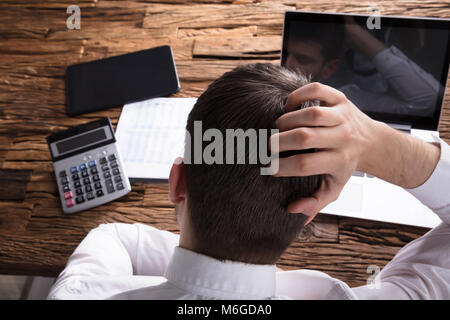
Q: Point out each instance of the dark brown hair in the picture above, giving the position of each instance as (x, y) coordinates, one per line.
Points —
(235, 212)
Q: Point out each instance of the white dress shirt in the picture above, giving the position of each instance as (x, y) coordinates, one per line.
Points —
(135, 261)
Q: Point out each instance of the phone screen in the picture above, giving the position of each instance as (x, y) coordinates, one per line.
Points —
(121, 79)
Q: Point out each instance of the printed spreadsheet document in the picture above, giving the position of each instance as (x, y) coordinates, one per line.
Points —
(151, 134)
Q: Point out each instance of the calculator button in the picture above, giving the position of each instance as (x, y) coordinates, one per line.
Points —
(75, 176)
(107, 174)
(92, 163)
(90, 196)
(111, 157)
(117, 179)
(69, 203)
(97, 185)
(94, 170)
(105, 167)
(62, 173)
(103, 160)
(86, 181)
(109, 186)
(68, 195)
(77, 184)
(120, 186)
(64, 180)
(116, 171)
(73, 170)
(99, 193)
(96, 178)
(66, 188)
(84, 173)
(79, 199)
(88, 188)
(83, 166)
(79, 192)
(114, 164)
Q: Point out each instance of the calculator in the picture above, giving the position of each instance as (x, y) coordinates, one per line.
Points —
(88, 168)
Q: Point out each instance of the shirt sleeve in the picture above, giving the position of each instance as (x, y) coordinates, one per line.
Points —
(414, 85)
(421, 269)
(435, 192)
(117, 250)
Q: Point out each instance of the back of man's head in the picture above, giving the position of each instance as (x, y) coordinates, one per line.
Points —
(235, 212)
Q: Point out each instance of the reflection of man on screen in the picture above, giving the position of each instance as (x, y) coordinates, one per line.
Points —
(377, 78)
(314, 49)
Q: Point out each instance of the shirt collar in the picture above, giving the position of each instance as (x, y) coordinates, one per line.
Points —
(206, 276)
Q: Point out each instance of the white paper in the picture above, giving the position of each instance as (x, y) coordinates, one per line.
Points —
(150, 135)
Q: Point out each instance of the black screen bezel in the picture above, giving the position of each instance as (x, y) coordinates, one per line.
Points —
(416, 122)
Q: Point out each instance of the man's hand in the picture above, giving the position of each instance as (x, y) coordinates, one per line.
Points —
(345, 140)
(339, 131)
(361, 40)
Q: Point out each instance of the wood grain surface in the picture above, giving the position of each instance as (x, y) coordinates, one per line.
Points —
(208, 38)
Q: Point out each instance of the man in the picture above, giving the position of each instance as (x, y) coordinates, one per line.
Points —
(217, 257)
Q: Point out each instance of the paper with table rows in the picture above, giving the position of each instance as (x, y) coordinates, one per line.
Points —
(150, 135)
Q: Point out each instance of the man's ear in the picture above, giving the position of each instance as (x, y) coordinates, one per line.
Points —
(177, 182)
(329, 68)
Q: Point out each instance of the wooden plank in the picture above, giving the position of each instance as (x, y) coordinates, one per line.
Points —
(38, 253)
(210, 69)
(427, 8)
(243, 47)
(200, 33)
(181, 48)
(48, 4)
(157, 195)
(54, 221)
(13, 184)
(29, 148)
(5, 143)
(213, 16)
(347, 262)
(28, 165)
(14, 217)
(353, 231)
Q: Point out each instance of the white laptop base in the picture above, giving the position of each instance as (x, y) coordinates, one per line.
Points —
(374, 199)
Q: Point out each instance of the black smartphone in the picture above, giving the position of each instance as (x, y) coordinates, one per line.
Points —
(121, 79)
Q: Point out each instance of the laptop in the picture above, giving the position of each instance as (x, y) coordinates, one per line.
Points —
(395, 70)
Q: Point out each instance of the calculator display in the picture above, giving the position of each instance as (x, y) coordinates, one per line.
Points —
(81, 140)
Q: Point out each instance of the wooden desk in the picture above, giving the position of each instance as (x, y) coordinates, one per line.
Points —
(207, 39)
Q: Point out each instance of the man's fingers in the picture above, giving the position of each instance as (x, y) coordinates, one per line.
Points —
(311, 206)
(307, 138)
(308, 164)
(313, 91)
(309, 117)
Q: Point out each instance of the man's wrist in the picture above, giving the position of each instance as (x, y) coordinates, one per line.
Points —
(371, 157)
(399, 158)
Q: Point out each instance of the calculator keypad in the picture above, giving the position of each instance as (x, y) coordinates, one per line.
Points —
(84, 182)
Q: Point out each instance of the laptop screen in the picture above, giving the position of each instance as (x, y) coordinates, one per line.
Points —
(393, 68)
